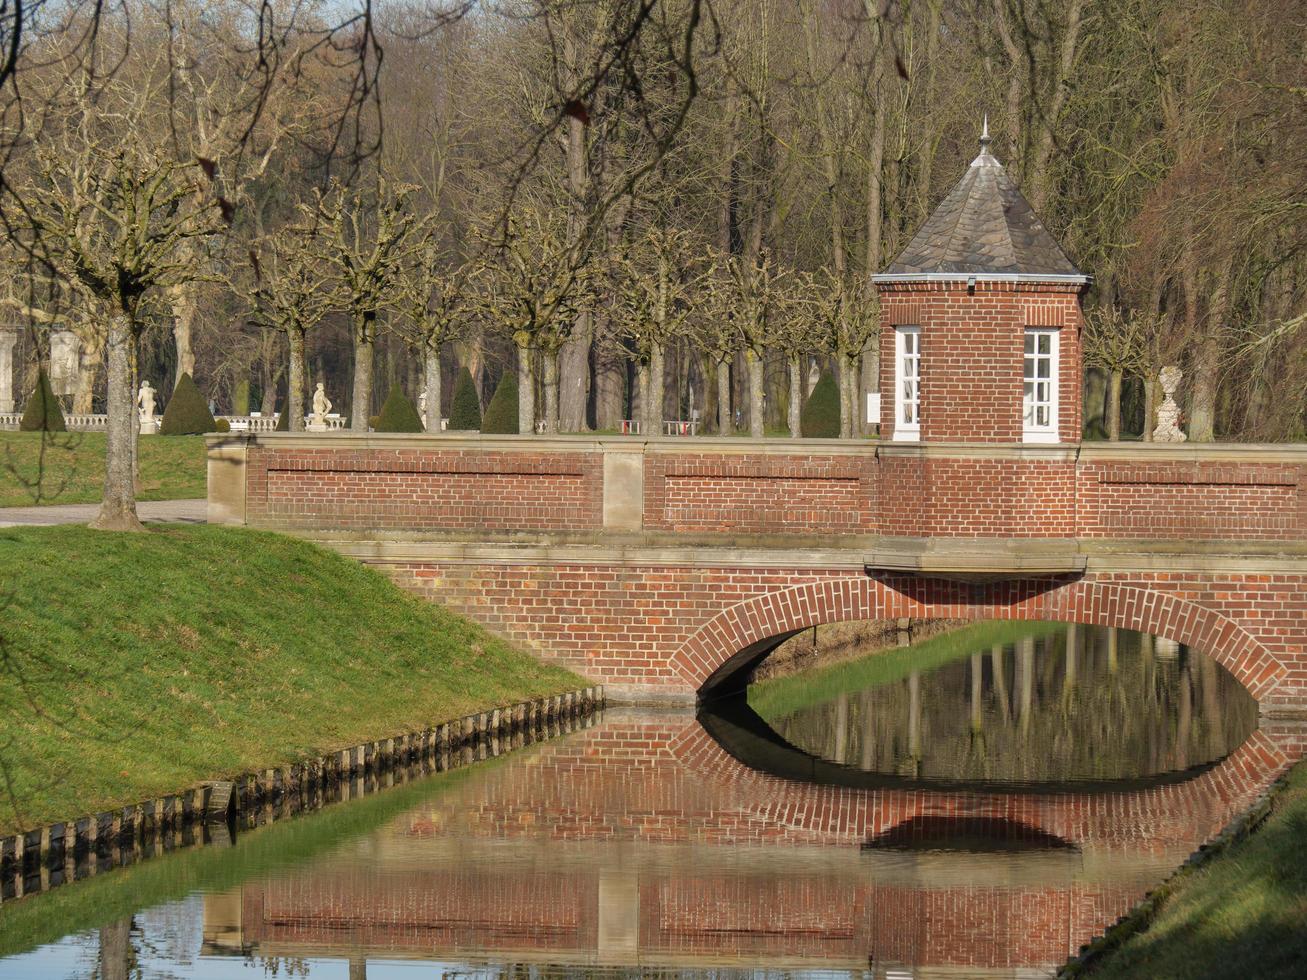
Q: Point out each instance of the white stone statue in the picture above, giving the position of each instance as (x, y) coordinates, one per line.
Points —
(145, 402)
(321, 406)
(8, 338)
(1168, 415)
(422, 405)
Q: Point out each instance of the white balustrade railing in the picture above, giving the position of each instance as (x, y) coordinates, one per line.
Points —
(680, 427)
(10, 420)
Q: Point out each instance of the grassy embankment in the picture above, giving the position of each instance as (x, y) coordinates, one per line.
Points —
(1242, 915)
(68, 468)
(780, 697)
(137, 665)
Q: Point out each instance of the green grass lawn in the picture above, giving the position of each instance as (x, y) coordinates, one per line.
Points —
(137, 664)
(68, 468)
(1242, 915)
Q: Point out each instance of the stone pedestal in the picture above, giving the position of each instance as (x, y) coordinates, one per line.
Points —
(312, 426)
(8, 338)
(150, 428)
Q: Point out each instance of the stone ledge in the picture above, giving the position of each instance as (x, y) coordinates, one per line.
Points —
(1028, 557)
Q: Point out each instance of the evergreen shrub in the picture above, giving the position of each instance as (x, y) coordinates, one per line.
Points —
(186, 414)
(398, 413)
(501, 413)
(42, 413)
(821, 413)
(465, 410)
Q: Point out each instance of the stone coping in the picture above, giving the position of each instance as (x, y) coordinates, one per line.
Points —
(1295, 453)
(68, 851)
(1072, 556)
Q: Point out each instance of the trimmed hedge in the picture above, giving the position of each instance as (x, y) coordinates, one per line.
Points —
(283, 418)
(186, 414)
(501, 413)
(42, 413)
(398, 413)
(465, 410)
(821, 413)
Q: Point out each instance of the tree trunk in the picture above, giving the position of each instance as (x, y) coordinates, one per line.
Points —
(185, 307)
(574, 376)
(551, 391)
(1207, 365)
(526, 391)
(1114, 405)
(754, 362)
(431, 384)
(1150, 406)
(118, 507)
(725, 426)
(92, 353)
(364, 349)
(653, 407)
(295, 380)
(796, 396)
(847, 385)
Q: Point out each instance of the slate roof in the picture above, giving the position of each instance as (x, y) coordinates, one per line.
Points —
(985, 227)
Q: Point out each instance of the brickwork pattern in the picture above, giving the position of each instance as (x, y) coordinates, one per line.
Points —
(424, 489)
(759, 493)
(972, 345)
(674, 627)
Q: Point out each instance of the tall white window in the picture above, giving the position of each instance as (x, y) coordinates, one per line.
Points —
(907, 383)
(1039, 396)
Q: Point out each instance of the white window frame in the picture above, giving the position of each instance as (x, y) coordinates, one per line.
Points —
(906, 431)
(1048, 432)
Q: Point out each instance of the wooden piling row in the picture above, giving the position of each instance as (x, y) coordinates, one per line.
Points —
(67, 851)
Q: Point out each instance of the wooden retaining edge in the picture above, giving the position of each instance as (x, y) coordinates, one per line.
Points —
(36, 860)
(1139, 918)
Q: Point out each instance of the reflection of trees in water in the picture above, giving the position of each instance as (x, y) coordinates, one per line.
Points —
(1083, 703)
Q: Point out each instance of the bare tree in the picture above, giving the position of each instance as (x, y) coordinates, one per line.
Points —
(292, 293)
(114, 222)
(439, 304)
(655, 279)
(535, 291)
(367, 241)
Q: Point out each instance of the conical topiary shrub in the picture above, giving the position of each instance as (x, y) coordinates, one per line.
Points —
(398, 414)
(186, 414)
(465, 411)
(240, 398)
(283, 419)
(501, 413)
(821, 412)
(42, 413)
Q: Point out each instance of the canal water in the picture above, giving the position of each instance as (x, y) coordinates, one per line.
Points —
(979, 804)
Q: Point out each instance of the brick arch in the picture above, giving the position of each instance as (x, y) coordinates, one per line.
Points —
(740, 636)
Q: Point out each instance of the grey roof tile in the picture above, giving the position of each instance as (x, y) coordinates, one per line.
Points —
(985, 226)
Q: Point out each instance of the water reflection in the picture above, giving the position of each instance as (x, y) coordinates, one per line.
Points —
(642, 845)
(1019, 703)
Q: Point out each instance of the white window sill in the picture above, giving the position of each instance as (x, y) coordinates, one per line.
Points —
(1040, 436)
(906, 435)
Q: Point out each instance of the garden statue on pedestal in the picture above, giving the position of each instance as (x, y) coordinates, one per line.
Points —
(321, 406)
(1168, 415)
(145, 404)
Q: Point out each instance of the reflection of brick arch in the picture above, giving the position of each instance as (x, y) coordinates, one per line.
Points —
(740, 635)
(1191, 810)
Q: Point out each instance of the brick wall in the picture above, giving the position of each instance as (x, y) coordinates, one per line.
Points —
(759, 493)
(668, 630)
(1098, 491)
(971, 355)
(422, 489)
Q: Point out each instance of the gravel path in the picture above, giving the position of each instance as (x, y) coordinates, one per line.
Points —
(185, 511)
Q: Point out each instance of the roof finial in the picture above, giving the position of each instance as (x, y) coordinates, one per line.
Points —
(984, 135)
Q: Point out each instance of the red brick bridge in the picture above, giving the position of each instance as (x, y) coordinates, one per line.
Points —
(666, 567)
(661, 567)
